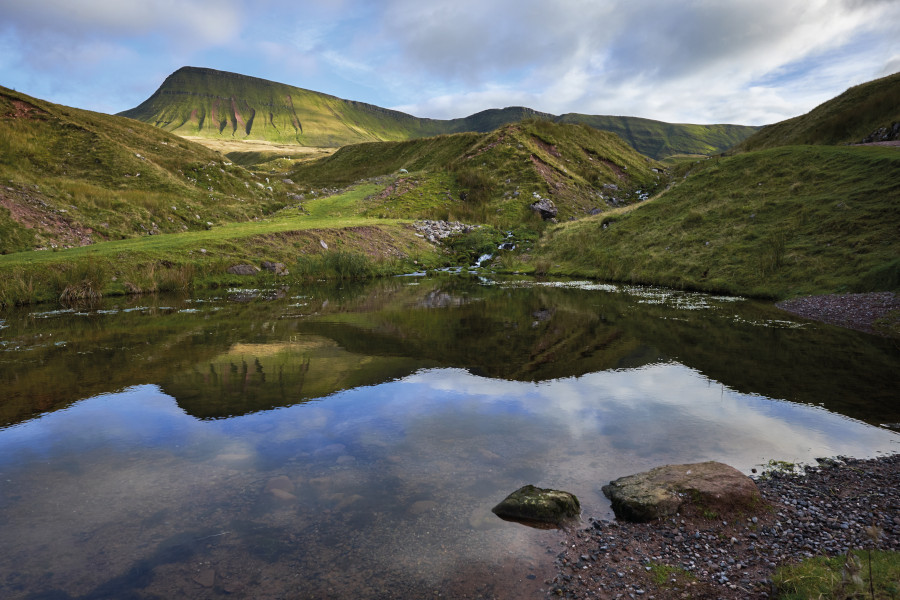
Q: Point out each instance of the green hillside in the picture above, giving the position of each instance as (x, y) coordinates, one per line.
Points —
(782, 222)
(659, 139)
(846, 119)
(494, 177)
(74, 177)
(215, 104)
(210, 103)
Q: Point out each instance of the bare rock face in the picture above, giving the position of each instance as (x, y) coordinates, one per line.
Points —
(530, 503)
(709, 487)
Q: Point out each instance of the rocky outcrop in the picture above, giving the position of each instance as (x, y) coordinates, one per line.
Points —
(545, 208)
(530, 503)
(435, 231)
(708, 488)
(883, 134)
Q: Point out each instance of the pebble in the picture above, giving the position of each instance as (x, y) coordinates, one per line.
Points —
(823, 510)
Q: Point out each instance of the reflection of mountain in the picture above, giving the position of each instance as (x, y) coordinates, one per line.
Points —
(254, 377)
(259, 355)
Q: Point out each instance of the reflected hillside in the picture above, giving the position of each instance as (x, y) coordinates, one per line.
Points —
(256, 377)
(246, 351)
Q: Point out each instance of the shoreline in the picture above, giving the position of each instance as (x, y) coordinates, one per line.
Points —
(877, 313)
(821, 510)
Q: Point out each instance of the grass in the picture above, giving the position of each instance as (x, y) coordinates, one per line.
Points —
(356, 247)
(73, 176)
(842, 577)
(227, 106)
(668, 577)
(492, 178)
(775, 223)
(846, 119)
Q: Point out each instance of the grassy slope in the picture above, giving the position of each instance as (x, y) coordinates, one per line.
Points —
(492, 178)
(781, 222)
(660, 140)
(205, 102)
(128, 207)
(846, 119)
(179, 261)
(72, 177)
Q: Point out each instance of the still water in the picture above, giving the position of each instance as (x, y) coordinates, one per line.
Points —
(349, 442)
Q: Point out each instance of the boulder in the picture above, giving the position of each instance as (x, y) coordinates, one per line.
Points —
(545, 208)
(243, 270)
(530, 503)
(706, 488)
(275, 267)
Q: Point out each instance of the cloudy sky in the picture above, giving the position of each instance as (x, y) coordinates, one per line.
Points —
(697, 61)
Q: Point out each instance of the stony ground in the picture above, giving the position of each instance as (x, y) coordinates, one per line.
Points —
(855, 311)
(823, 510)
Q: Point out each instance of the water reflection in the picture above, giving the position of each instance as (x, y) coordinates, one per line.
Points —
(350, 443)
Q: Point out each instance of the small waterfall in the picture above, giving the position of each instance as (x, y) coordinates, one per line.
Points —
(483, 258)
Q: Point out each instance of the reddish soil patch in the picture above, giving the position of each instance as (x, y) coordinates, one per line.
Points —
(399, 187)
(53, 229)
(237, 114)
(23, 110)
(547, 172)
(500, 139)
(548, 148)
(616, 169)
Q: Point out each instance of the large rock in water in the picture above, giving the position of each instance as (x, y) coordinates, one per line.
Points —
(709, 487)
(530, 503)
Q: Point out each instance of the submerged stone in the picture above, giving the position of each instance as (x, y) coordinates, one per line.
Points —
(709, 488)
(530, 503)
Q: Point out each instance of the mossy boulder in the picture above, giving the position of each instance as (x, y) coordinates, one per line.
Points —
(530, 503)
(705, 488)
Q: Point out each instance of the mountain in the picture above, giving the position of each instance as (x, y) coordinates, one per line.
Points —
(73, 177)
(216, 104)
(846, 119)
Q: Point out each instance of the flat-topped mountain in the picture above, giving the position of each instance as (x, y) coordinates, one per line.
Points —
(216, 104)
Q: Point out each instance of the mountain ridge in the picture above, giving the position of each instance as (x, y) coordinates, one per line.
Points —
(215, 104)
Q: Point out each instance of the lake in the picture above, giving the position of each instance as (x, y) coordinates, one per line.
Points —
(349, 441)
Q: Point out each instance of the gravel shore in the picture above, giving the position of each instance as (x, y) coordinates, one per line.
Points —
(855, 311)
(822, 510)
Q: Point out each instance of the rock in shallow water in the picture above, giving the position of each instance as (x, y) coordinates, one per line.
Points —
(530, 503)
(709, 487)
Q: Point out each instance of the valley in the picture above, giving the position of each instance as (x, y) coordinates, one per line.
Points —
(263, 342)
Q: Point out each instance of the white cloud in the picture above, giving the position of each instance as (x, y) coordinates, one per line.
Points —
(697, 61)
(203, 21)
(742, 61)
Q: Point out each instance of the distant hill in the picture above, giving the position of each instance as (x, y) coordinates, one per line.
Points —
(847, 119)
(74, 177)
(494, 177)
(216, 104)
